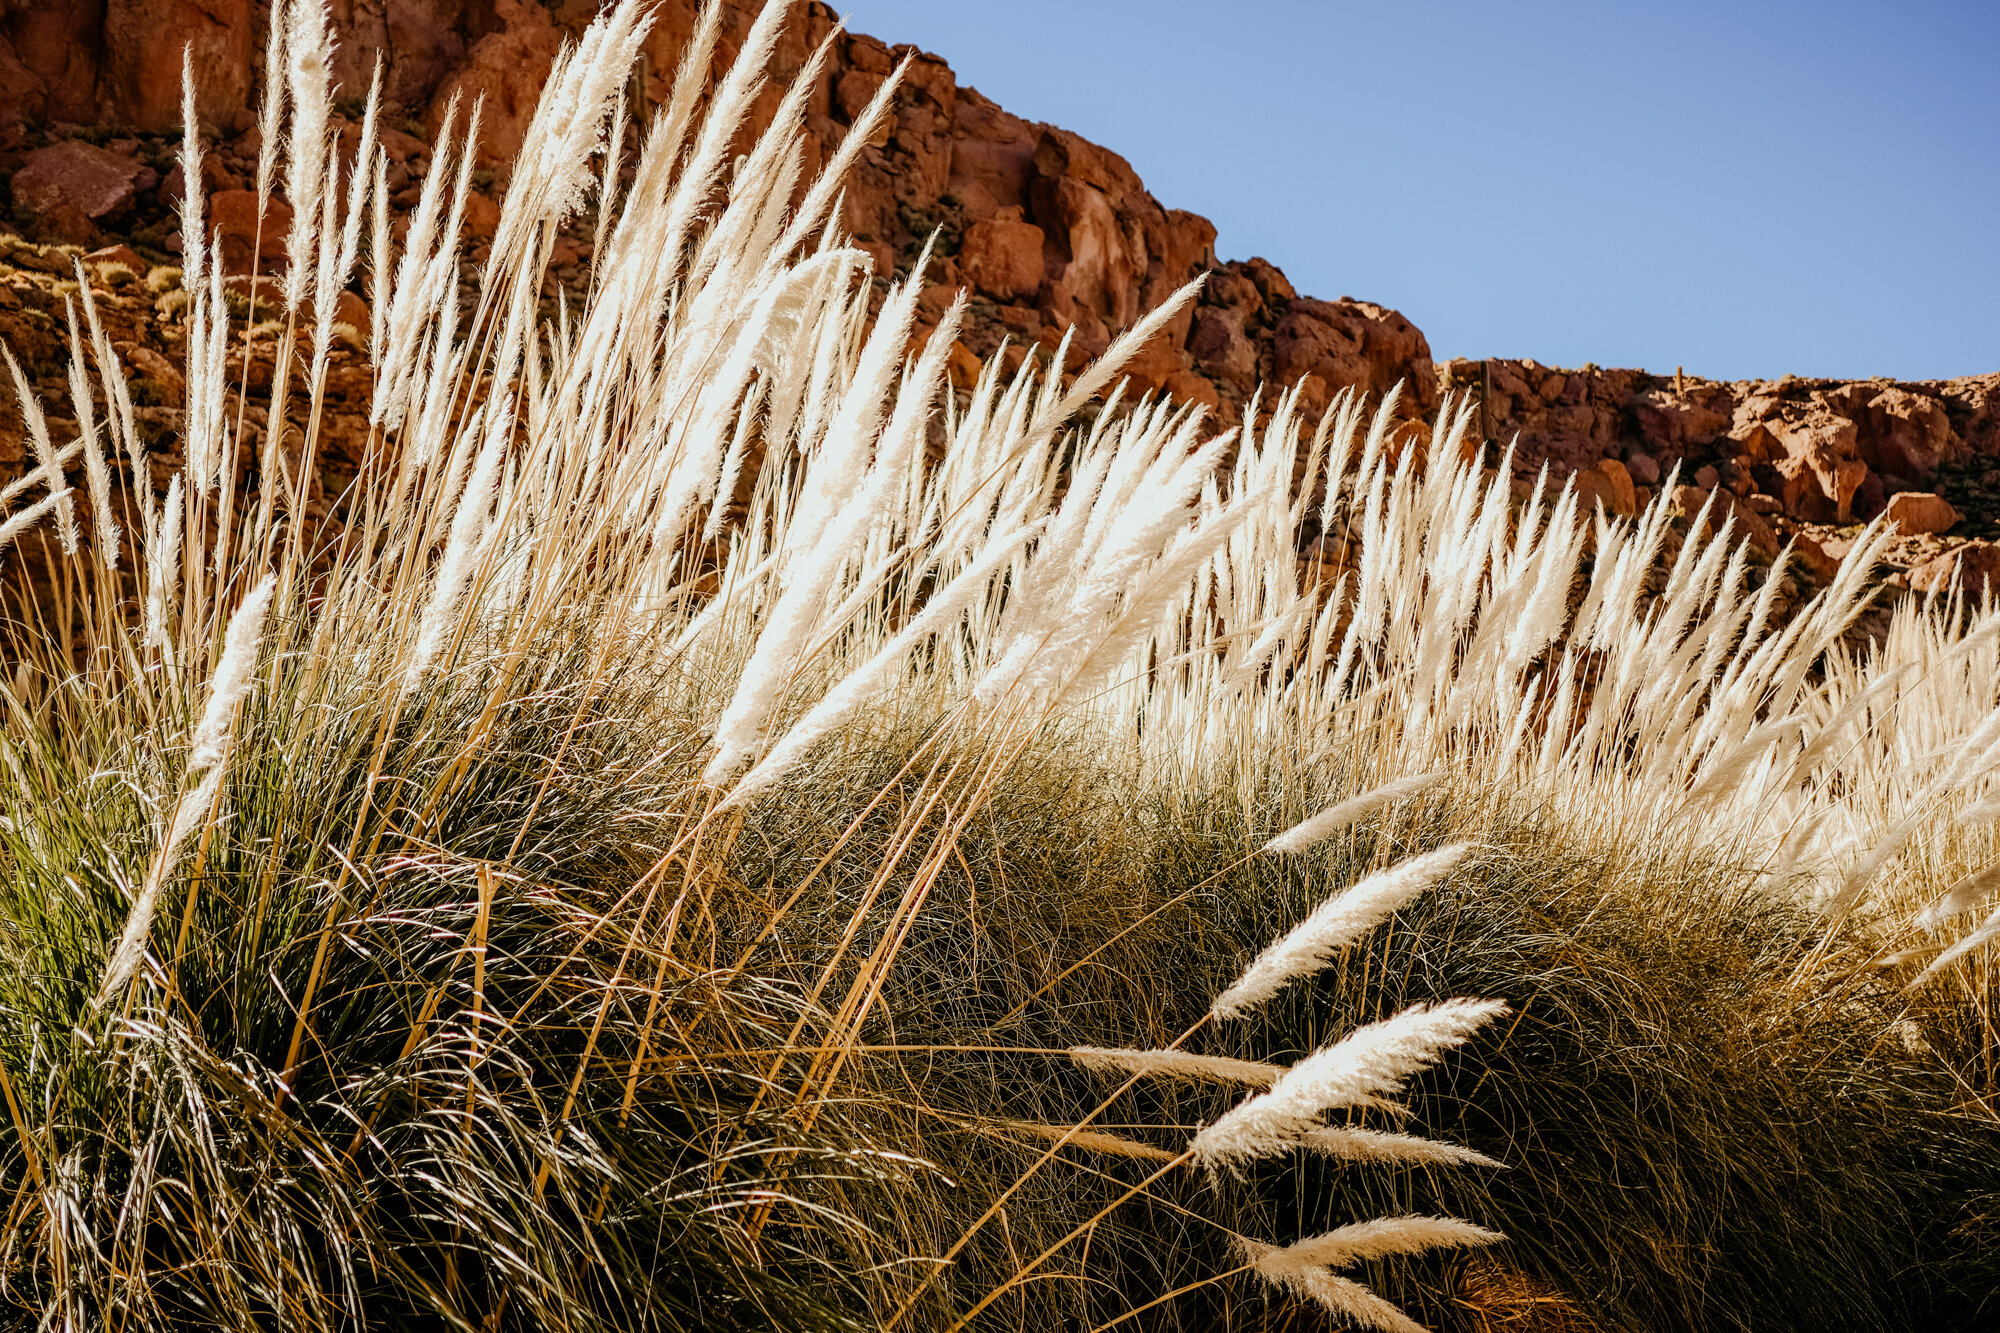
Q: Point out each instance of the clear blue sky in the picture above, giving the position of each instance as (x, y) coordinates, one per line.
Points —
(1743, 188)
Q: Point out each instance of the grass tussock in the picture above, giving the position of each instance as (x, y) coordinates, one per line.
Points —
(675, 847)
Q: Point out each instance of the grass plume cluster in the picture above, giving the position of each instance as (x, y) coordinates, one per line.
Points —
(685, 839)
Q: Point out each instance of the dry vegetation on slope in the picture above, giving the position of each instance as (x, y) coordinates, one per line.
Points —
(650, 849)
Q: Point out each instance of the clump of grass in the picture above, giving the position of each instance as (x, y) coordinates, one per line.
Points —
(644, 856)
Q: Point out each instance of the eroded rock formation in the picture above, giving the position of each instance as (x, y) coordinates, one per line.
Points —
(1046, 229)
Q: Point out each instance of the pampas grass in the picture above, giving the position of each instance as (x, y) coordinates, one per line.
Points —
(1345, 814)
(231, 680)
(1301, 1266)
(713, 815)
(1333, 925)
(1178, 1065)
(1358, 1070)
(1374, 1145)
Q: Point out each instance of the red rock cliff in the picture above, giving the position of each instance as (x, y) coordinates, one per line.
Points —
(1047, 229)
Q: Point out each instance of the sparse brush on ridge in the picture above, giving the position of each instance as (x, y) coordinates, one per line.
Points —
(541, 887)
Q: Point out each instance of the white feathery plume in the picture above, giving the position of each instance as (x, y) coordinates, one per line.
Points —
(273, 105)
(1095, 376)
(1342, 1296)
(37, 475)
(1365, 1064)
(378, 258)
(327, 277)
(1350, 811)
(208, 448)
(1060, 625)
(163, 556)
(308, 81)
(361, 179)
(1180, 1065)
(118, 409)
(1983, 813)
(1968, 891)
(829, 514)
(1333, 925)
(607, 183)
(845, 699)
(749, 414)
(1377, 1238)
(1870, 863)
(1988, 930)
(194, 236)
(189, 811)
(1301, 1268)
(596, 78)
(50, 463)
(401, 306)
(1091, 1140)
(17, 524)
(103, 526)
(824, 198)
(1374, 1145)
(213, 737)
(467, 524)
(552, 171)
(232, 678)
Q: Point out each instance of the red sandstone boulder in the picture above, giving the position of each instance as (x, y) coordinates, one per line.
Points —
(1158, 365)
(1722, 507)
(58, 50)
(1353, 343)
(1973, 404)
(143, 41)
(1099, 263)
(1976, 566)
(1224, 353)
(1905, 433)
(1812, 555)
(1003, 258)
(1920, 513)
(232, 215)
(1672, 422)
(93, 181)
(1609, 484)
(507, 68)
(1107, 250)
(153, 366)
(1819, 454)
(113, 258)
(482, 216)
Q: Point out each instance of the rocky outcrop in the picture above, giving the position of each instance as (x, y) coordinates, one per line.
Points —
(1803, 457)
(1046, 230)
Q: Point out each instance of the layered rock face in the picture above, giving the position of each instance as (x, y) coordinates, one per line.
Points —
(1047, 230)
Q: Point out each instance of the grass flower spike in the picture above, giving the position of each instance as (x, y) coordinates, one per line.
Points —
(1365, 1065)
(1334, 925)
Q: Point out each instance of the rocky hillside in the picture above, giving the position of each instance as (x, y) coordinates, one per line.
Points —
(1804, 461)
(1046, 229)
